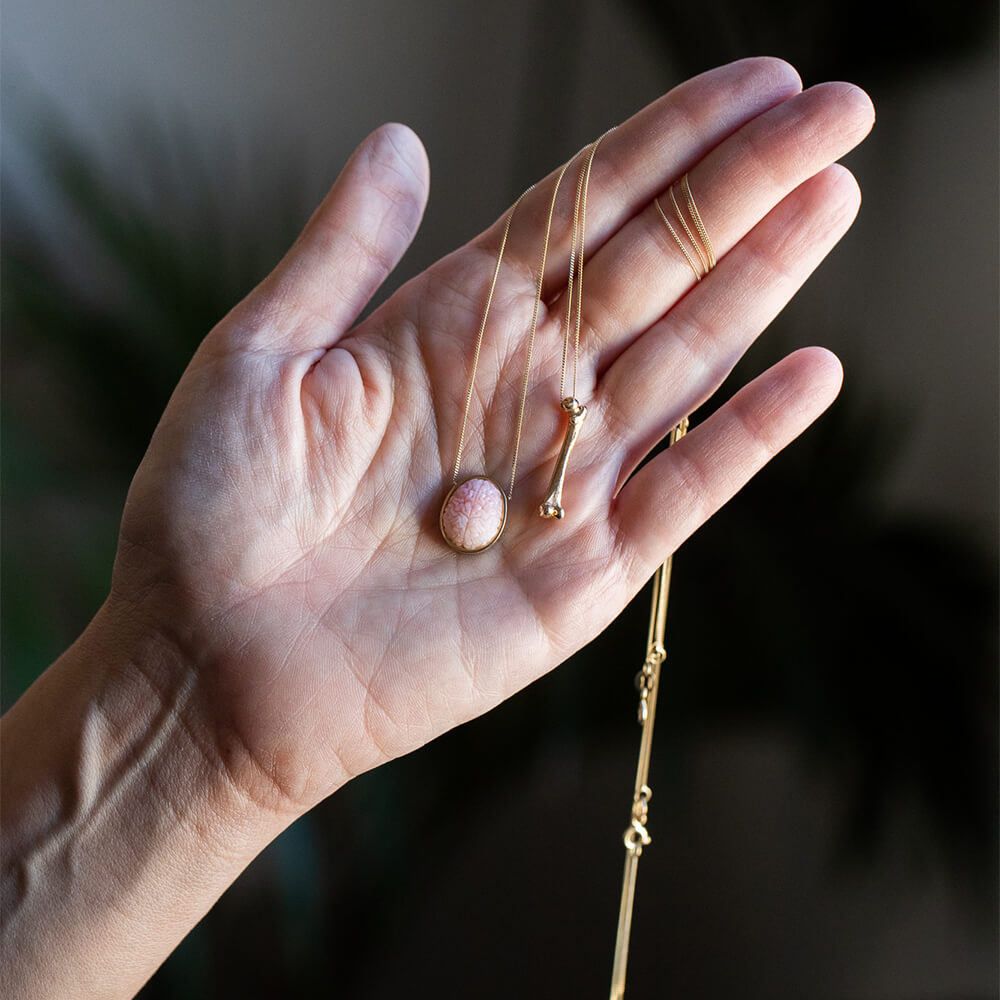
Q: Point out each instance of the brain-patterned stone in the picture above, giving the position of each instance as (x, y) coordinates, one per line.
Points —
(473, 515)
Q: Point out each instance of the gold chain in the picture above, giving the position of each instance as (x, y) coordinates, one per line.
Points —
(703, 249)
(574, 303)
(698, 224)
(574, 307)
(637, 837)
(534, 322)
(479, 340)
(551, 506)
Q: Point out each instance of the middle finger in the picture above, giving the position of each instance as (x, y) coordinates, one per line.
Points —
(639, 274)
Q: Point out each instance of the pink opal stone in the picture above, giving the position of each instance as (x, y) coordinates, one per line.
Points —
(473, 515)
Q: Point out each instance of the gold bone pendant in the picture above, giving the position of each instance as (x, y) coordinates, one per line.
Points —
(552, 504)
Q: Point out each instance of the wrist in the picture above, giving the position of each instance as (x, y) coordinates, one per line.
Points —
(112, 786)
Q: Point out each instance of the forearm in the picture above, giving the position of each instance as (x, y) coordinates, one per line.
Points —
(121, 825)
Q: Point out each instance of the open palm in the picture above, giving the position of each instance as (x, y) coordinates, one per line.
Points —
(282, 529)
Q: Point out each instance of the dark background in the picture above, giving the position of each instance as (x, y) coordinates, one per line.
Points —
(824, 817)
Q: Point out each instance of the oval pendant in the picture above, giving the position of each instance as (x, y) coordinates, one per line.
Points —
(473, 514)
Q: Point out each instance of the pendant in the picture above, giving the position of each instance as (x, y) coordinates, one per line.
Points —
(552, 504)
(473, 514)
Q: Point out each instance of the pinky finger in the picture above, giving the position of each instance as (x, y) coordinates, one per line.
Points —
(681, 488)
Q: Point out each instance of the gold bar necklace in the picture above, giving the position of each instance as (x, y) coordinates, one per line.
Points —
(637, 836)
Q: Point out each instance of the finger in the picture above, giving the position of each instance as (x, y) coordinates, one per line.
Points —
(671, 370)
(350, 245)
(641, 272)
(682, 487)
(640, 155)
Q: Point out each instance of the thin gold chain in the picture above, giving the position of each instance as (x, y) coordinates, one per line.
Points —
(479, 340)
(687, 229)
(698, 224)
(534, 325)
(571, 279)
(701, 245)
(680, 243)
(574, 284)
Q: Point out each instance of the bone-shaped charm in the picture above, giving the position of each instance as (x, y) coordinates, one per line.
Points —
(552, 504)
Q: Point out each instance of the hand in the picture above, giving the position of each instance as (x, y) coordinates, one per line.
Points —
(282, 529)
(284, 613)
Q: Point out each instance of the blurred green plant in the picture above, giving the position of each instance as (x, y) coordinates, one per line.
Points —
(104, 299)
(806, 605)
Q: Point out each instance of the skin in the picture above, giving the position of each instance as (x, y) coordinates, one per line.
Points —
(283, 613)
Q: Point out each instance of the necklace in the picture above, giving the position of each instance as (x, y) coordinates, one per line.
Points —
(474, 512)
(648, 681)
(551, 506)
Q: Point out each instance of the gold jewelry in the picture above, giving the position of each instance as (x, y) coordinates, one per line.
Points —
(551, 506)
(648, 681)
(474, 511)
(703, 259)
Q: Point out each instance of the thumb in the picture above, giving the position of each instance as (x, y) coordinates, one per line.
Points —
(352, 242)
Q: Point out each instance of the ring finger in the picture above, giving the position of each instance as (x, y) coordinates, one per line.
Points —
(671, 370)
